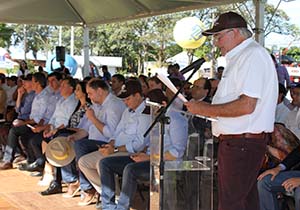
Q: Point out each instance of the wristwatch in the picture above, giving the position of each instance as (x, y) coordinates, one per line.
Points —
(116, 150)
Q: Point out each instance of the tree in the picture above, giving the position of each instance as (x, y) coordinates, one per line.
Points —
(276, 21)
(294, 52)
(6, 33)
(37, 37)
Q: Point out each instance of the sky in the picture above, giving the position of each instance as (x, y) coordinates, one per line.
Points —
(292, 10)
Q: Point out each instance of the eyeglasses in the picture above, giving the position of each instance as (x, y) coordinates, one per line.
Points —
(220, 35)
(196, 86)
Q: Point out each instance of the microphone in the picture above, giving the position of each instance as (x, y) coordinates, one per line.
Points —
(196, 64)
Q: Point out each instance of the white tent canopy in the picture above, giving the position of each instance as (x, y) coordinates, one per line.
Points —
(93, 12)
(182, 59)
(208, 64)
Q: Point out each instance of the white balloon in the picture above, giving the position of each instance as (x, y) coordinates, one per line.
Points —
(188, 33)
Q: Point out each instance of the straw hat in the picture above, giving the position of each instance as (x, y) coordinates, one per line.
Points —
(60, 152)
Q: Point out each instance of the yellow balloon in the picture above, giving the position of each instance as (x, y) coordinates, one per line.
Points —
(188, 33)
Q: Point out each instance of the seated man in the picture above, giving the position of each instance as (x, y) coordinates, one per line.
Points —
(102, 120)
(154, 83)
(53, 96)
(117, 81)
(67, 174)
(282, 110)
(280, 177)
(11, 91)
(292, 119)
(39, 115)
(128, 137)
(60, 118)
(200, 92)
(25, 97)
(137, 166)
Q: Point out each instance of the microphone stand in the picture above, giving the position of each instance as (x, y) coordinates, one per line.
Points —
(163, 119)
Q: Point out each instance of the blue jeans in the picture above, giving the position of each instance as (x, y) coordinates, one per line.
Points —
(83, 147)
(268, 200)
(69, 172)
(130, 171)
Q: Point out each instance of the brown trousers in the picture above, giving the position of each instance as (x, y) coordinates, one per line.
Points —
(239, 162)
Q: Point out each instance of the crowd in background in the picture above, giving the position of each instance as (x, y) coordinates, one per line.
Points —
(106, 118)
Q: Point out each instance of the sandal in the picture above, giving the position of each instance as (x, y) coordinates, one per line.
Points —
(73, 189)
(88, 197)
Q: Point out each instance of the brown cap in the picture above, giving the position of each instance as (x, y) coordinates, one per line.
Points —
(226, 21)
(131, 87)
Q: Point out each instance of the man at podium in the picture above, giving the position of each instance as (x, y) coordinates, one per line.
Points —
(244, 105)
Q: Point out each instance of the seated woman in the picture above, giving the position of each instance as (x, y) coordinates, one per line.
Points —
(69, 172)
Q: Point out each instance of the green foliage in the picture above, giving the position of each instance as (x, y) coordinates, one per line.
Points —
(30, 65)
(294, 52)
(280, 20)
(203, 51)
(6, 33)
(38, 37)
(11, 71)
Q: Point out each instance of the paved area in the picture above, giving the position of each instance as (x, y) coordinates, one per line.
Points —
(19, 191)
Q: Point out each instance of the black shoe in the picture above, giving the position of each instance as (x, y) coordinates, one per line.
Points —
(35, 167)
(23, 166)
(54, 188)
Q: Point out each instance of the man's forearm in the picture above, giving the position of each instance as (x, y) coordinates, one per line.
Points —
(80, 134)
(242, 106)
(98, 124)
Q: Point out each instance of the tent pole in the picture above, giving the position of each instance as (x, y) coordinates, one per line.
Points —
(259, 21)
(86, 49)
(72, 41)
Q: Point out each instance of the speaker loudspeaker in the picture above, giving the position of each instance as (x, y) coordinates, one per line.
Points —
(60, 53)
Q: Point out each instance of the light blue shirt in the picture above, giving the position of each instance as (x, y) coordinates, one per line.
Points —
(131, 129)
(176, 134)
(54, 97)
(24, 109)
(63, 111)
(109, 113)
(39, 106)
